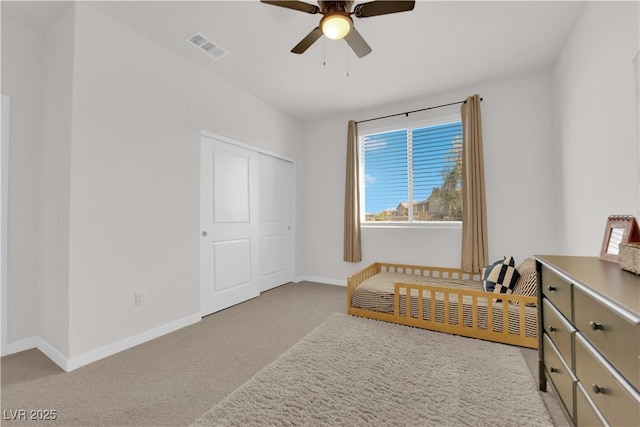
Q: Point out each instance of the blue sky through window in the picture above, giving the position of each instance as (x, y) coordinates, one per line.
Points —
(386, 174)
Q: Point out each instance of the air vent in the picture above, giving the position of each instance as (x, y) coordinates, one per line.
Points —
(203, 43)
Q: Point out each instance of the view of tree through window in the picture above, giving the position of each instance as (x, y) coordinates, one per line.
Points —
(413, 175)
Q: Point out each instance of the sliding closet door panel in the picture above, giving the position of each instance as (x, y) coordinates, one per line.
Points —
(276, 221)
(229, 225)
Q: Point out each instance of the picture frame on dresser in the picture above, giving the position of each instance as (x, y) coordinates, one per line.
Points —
(619, 229)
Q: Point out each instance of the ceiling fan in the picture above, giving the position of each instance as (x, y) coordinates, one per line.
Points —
(336, 22)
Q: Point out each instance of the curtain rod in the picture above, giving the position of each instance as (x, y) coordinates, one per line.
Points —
(406, 113)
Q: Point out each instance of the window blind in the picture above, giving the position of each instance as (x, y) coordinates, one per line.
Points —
(413, 174)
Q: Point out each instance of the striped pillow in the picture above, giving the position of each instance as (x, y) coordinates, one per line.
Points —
(500, 277)
(528, 282)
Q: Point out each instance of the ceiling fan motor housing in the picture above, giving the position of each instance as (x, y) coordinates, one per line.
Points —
(335, 6)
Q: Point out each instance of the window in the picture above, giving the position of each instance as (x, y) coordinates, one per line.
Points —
(412, 175)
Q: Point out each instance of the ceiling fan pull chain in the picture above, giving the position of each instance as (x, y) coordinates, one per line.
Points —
(324, 52)
(347, 50)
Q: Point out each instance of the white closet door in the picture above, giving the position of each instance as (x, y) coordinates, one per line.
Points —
(229, 249)
(276, 221)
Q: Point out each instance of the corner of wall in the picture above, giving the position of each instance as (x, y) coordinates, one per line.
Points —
(53, 278)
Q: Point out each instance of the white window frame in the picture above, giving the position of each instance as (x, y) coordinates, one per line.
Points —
(416, 124)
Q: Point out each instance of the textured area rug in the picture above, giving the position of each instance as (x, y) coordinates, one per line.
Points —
(359, 372)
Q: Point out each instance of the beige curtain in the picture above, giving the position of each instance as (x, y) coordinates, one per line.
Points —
(475, 247)
(352, 248)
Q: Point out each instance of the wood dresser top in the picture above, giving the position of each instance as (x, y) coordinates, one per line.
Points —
(604, 280)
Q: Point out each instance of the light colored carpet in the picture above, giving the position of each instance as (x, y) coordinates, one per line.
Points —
(359, 372)
(172, 380)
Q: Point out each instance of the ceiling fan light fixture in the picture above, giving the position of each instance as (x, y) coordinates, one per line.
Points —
(336, 26)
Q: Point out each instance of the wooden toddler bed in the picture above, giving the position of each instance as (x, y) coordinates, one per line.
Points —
(383, 291)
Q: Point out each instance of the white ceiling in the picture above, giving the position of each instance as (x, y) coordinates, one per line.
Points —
(440, 45)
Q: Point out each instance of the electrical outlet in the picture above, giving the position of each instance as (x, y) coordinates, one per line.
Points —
(140, 298)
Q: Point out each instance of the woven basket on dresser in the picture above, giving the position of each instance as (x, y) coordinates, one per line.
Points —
(630, 257)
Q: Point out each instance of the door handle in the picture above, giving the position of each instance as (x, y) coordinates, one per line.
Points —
(204, 234)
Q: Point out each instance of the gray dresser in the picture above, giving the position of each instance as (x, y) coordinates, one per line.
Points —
(589, 339)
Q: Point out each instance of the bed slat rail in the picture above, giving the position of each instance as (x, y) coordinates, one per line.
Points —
(418, 270)
(409, 301)
(512, 316)
(355, 279)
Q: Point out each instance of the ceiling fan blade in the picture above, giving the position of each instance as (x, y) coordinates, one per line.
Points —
(357, 43)
(375, 8)
(295, 5)
(306, 42)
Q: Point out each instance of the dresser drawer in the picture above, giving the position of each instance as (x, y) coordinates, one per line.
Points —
(559, 330)
(616, 338)
(558, 291)
(616, 400)
(586, 413)
(559, 374)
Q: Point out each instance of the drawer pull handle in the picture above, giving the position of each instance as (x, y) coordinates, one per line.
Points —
(595, 325)
(553, 370)
(551, 288)
(552, 329)
(597, 389)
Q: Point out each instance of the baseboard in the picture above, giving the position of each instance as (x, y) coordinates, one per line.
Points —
(54, 354)
(22, 345)
(106, 351)
(69, 364)
(36, 342)
(326, 280)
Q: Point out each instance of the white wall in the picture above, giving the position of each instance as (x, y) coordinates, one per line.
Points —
(137, 112)
(519, 171)
(596, 124)
(109, 197)
(22, 66)
(4, 194)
